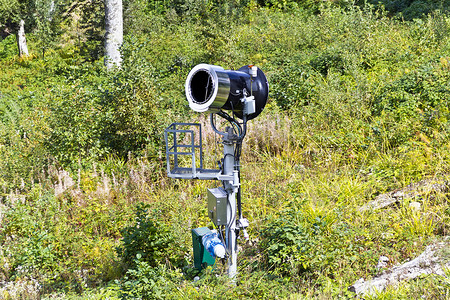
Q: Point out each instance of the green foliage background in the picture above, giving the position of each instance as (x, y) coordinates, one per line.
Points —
(358, 106)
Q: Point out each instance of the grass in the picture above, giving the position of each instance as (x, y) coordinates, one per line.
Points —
(327, 195)
(342, 126)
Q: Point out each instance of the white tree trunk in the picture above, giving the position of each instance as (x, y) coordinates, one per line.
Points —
(51, 11)
(21, 40)
(114, 32)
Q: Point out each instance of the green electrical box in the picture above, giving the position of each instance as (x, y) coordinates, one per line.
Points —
(202, 258)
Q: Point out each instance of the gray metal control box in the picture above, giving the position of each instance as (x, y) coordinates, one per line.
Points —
(217, 206)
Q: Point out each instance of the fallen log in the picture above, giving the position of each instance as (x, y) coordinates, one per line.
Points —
(433, 260)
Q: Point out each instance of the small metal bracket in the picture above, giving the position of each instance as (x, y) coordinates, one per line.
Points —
(242, 223)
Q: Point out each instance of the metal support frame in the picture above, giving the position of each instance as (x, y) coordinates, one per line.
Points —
(175, 137)
(177, 146)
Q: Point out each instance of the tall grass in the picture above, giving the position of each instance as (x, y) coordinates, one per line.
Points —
(342, 126)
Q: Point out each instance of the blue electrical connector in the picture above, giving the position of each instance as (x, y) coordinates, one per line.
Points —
(214, 245)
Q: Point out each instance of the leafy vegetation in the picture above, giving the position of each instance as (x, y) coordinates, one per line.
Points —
(359, 106)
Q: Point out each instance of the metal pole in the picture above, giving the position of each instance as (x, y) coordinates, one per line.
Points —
(231, 186)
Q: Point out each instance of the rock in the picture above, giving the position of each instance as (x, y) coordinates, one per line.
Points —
(382, 262)
(415, 205)
(355, 288)
(380, 201)
(398, 194)
(429, 262)
(300, 168)
(412, 191)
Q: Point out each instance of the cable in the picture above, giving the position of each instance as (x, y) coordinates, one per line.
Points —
(216, 152)
(232, 121)
(240, 129)
(232, 220)
(223, 161)
(221, 236)
(213, 125)
(237, 154)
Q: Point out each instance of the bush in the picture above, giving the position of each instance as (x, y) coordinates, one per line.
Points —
(419, 98)
(8, 47)
(302, 241)
(150, 241)
(103, 114)
(149, 282)
(52, 240)
(77, 119)
(293, 85)
(287, 244)
(410, 9)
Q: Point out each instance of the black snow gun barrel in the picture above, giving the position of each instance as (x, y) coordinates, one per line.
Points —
(210, 88)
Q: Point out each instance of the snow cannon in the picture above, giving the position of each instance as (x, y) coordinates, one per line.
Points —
(211, 88)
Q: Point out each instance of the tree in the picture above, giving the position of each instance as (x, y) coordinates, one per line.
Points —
(36, 14)
(21, 40)
(44, 16)
(11, 21)
(114, 32)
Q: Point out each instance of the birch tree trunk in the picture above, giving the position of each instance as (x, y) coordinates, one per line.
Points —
(21, 40)
(114, 32)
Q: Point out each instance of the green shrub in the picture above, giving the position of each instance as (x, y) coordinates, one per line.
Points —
(293, 85)
(287, 244)
(134, 115)
(149, 240)
(77, 123)
(22, 130)
(410, 9)
(419, 98)
(149, 282)
(312, 5)
(301, 242)
(57, 242)
(105, 114)
(8, 47)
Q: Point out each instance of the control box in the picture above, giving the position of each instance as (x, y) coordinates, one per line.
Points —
(217, 206)
(202, 258)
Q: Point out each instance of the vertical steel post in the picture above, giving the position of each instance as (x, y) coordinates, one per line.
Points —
(231, 186)
(175, 147)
